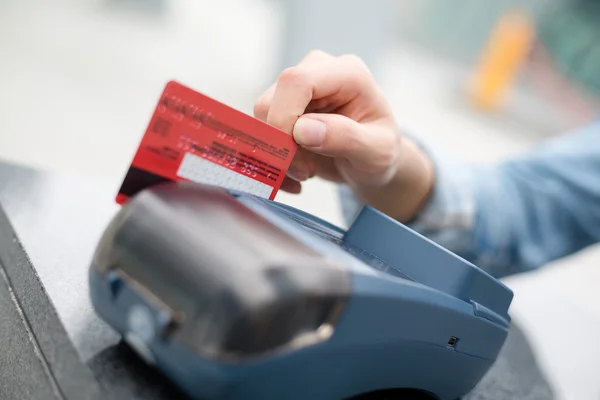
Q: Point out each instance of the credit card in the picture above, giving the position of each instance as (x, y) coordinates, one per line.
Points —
(192, 137)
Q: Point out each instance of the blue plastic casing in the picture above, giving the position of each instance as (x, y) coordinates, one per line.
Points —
(417, 317)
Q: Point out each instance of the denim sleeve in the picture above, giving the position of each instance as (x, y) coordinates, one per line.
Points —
(517, 215)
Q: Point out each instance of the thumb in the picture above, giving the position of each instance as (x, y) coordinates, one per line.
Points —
(338, 136)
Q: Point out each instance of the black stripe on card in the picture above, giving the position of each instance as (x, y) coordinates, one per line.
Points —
(137, 180)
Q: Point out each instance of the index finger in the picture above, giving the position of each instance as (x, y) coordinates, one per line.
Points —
(263, 104)
(344, 78)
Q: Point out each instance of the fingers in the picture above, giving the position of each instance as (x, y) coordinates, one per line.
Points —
(367, 147)
(321, 83)
(291, 186)
(301, 167)
(262, 105)
(346, 78)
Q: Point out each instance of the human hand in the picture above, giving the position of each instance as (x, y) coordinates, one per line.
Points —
(346, 133)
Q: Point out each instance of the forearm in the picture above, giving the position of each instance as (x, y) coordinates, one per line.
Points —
(517, 215)
(538, 208)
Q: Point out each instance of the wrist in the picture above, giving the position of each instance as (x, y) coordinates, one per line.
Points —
(407, 191)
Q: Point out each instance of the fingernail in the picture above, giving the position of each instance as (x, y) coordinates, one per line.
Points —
(309, 132)
(297, 175)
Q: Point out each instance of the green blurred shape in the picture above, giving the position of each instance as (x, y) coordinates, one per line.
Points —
(571, 35)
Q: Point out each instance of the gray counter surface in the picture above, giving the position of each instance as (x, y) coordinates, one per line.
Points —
(59, 219)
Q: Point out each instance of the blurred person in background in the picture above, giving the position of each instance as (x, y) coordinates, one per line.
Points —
(512, 217)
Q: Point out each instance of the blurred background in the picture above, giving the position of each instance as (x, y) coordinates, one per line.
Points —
(485, 80)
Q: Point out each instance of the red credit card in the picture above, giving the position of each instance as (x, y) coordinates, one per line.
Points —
(192, 137)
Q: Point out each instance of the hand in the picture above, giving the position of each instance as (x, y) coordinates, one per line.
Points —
(346, 133)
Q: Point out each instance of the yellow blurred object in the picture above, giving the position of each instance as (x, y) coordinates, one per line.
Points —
(504, 54)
